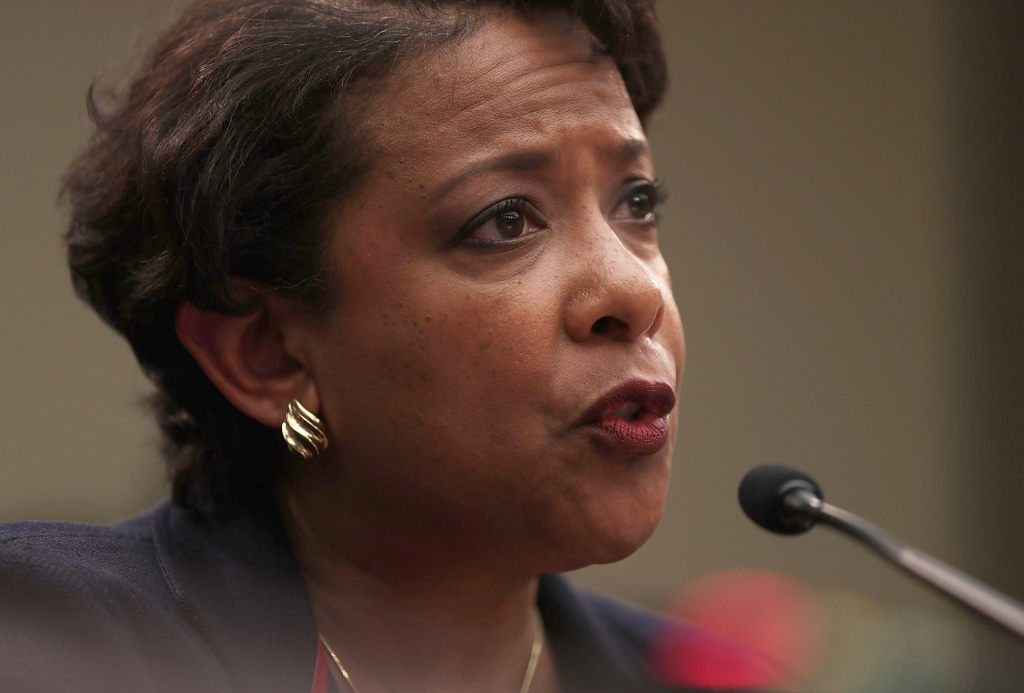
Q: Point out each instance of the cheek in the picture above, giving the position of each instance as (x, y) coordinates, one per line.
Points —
(451, 403)
(676, 341)
(440, 410)
(484, 357)
(428, 366)
(671, 335)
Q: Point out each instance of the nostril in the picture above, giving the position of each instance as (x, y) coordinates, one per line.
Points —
(610, 326)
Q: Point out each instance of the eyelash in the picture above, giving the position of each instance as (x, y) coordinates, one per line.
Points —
(511, 204)
(518, 204)
(657, 195)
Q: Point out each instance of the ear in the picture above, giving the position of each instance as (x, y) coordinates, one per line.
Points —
(245, 357)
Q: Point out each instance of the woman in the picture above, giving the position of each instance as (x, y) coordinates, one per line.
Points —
(393, 268)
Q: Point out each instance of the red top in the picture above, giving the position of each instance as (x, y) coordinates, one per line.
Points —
(321, 673)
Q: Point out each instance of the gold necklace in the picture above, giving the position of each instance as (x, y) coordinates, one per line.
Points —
(531, 666)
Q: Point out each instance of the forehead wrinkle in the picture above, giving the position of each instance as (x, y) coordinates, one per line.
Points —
(572, 35)
(487, 93)
(503, 100)
(525, 70)
(625, 147)
(448, 109)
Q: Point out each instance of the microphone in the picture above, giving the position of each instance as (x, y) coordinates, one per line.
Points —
(787, 501)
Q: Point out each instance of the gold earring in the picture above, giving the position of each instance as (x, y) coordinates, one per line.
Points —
(303, 431)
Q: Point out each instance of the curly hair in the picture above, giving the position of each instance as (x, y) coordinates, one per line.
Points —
(219, 160)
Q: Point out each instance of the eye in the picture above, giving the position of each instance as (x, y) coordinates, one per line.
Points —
(502, 223)
(508, 224)
(640, 203)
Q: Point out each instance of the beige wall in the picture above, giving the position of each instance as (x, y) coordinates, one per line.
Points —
(805, 147)
(73, 443)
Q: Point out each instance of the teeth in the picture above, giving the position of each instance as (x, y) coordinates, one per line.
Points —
(628, 412)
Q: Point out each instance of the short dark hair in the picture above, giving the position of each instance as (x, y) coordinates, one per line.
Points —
(219, 160)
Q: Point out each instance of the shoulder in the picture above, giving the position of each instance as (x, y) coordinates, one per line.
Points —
(98, 564)
(633, 624)
(78, 596)
(70, 543)
(601, 643)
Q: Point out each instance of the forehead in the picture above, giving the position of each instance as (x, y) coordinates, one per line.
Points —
(514, 81)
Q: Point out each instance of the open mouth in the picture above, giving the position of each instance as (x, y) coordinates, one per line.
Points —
(633, 417)
(630, 411)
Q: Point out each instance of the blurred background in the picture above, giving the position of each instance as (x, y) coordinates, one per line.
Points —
(845, 231)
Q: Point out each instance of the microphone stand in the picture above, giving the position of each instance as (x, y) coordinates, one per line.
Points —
(1004, 611)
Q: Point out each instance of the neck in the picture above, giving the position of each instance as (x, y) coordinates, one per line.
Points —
(423, 630)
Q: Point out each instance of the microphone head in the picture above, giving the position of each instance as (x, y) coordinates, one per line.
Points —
(762, 491)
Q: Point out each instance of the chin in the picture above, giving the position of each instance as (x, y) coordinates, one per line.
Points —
(606, 537)
(627, 515)
(601, 517)
(623, 541)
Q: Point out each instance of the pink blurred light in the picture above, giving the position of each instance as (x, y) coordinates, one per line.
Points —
(740, 629)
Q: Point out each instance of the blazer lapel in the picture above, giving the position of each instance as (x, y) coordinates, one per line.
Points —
(238, 585)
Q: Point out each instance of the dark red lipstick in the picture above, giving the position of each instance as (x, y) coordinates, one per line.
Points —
(633, 417)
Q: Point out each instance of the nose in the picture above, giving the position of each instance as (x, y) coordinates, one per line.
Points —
(617, 297)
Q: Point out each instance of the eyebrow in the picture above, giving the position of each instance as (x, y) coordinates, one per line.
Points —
(533, 159)
(631, 150)
(528, 160)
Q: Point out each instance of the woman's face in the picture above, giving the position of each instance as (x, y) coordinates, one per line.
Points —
(500, 314)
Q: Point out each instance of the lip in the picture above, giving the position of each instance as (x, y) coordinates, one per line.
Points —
(645, 435)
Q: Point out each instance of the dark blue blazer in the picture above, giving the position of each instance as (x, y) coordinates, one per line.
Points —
(176, 601)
